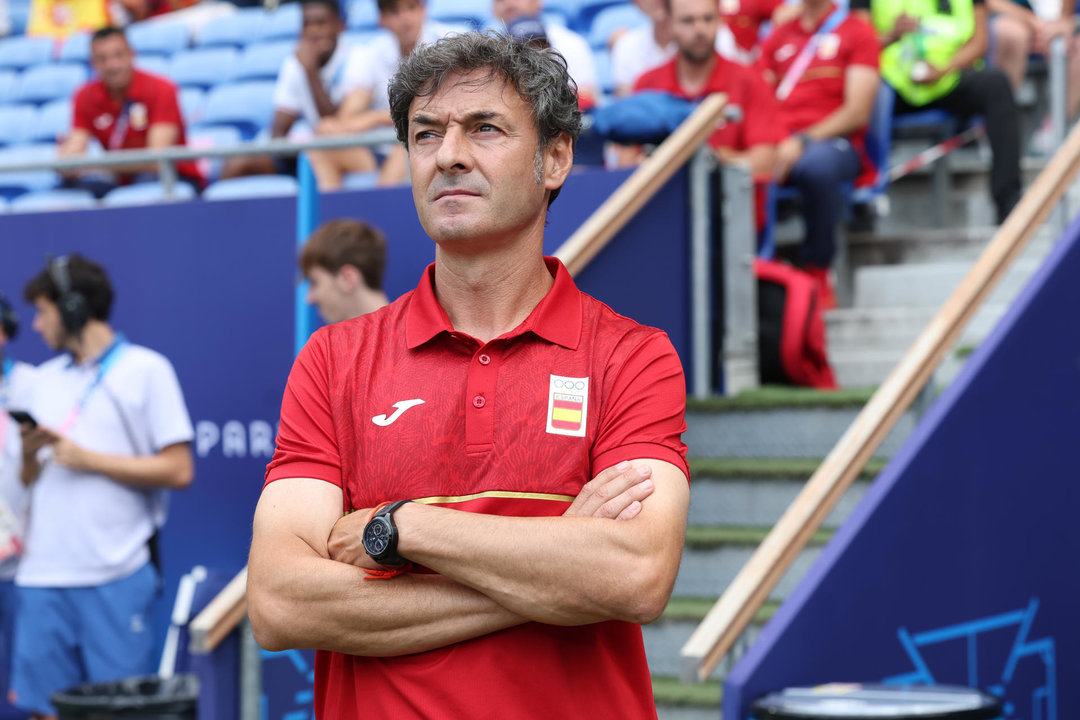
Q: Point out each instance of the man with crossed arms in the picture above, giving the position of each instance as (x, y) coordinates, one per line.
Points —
(489, 396)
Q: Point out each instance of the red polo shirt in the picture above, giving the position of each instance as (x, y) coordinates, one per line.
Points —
(150, 99)
(760, 124)
(512, 427)
(745, 17)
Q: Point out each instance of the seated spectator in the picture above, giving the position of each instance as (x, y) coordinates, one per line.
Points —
(930, 58)
(698, 70)
(309, 86)
(366, 106)
(574, 48)
(124, 109)
(743, 20)
(343, 261)
(1019, 31)
(824, 65)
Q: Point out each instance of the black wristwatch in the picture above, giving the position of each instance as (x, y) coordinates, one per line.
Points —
(381, 536)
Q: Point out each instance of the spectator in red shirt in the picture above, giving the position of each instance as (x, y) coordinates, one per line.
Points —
(124, 109)
(698, 70)
(826, 94)
(744, 19)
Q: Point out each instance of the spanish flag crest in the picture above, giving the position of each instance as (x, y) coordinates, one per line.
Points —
(568, 406)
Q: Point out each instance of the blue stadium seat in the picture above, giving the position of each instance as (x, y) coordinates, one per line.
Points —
(610, 19)
(22, 52)
(360, 38)
(360, 180)
(19, 14)
(204, 67)
(568, 9)
(53, 200)
(43, 83)
(263, 61)
(475, 12)
(192, 105)
(53, 121)
(605, 75)
(589, 9)
(245, 26)
(284, 23)
(76, 49)
(16, 123)
(252, 187)
(9, 86)
(213, 137)
(158, 38)
(364, 15)
(154, 64)
(16, 183)
(247, 106)
(145, 194)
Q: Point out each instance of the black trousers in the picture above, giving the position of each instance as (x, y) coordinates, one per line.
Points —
(987, 93)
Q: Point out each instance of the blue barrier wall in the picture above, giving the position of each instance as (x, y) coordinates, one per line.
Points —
(959, 564)
(211, 285)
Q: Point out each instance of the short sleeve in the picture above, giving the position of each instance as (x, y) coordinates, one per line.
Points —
(288, 92)
(165, 108)
(80, 112)
(644, 413)
(358, 71)
(307, 443)
(167, 418)
(579, 60)
(624, 64)
(862, 43)
(762, 125)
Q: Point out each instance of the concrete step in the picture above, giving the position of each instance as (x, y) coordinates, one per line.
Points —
(931, 284)
(713, 555)
(676, 701)
(758, 491)
(896, 328)
(780, 423)
(925, 245)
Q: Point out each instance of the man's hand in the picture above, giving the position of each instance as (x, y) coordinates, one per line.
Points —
(346, 542)
(308, 55)
(904, 24)
(330, 126)
(787, 154)
(617, 493)
(930, 75)
(35, 438)
(68, 453)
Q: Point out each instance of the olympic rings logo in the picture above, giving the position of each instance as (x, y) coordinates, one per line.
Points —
(568, 384)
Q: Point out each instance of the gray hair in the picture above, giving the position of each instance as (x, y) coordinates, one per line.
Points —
(538, 75)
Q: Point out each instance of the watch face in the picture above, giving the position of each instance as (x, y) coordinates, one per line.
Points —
(377, 537)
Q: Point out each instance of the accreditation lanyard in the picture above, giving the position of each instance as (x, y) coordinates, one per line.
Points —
(7, 369)
(120, 128)
(107, 361)
(802, 62)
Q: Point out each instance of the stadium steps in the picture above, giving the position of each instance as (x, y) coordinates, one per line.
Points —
(743, 479)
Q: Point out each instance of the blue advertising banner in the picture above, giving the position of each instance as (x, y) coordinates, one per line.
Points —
(212, 286)
(957, 566)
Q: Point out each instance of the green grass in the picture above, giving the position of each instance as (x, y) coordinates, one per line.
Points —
(798, 468)
(781, 396)
(709, 536)
(690, 609)
(672, 692)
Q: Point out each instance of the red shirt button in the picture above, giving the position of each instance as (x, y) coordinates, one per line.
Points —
(484, 359)
(479, 401)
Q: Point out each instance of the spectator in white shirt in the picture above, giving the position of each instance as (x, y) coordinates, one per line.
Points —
(574, 48)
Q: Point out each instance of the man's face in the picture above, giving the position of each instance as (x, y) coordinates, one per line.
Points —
(328, 293)
(477, 179)
(47, 323)
(509, 10)
(405, 21)
(114, 61)
(321, 29)
(694, 24)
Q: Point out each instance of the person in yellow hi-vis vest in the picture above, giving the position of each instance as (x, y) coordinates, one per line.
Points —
(932, 56)
(61, 18)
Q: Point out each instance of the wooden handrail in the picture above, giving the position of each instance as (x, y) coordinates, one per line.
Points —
(229, 607)
(734, 610)
(220, 616)
(608, 219)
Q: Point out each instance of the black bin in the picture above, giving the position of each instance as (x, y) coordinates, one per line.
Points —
(137, 698)
(851, 701)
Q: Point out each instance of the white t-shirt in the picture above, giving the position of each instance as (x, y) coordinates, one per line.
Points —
(87, 529)
(636, 51)
(371, 67)
(16, 387)
(292, 94)
(578, 54)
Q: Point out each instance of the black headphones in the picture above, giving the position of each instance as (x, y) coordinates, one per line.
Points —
(74, 310)
(9, 321)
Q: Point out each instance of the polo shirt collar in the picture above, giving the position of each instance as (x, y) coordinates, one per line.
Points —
(556, 318)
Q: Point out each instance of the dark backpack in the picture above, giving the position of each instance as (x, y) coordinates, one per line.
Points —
(791, 328)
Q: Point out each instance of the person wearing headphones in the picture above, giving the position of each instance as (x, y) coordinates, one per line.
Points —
(16, 380)
(109, 434)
